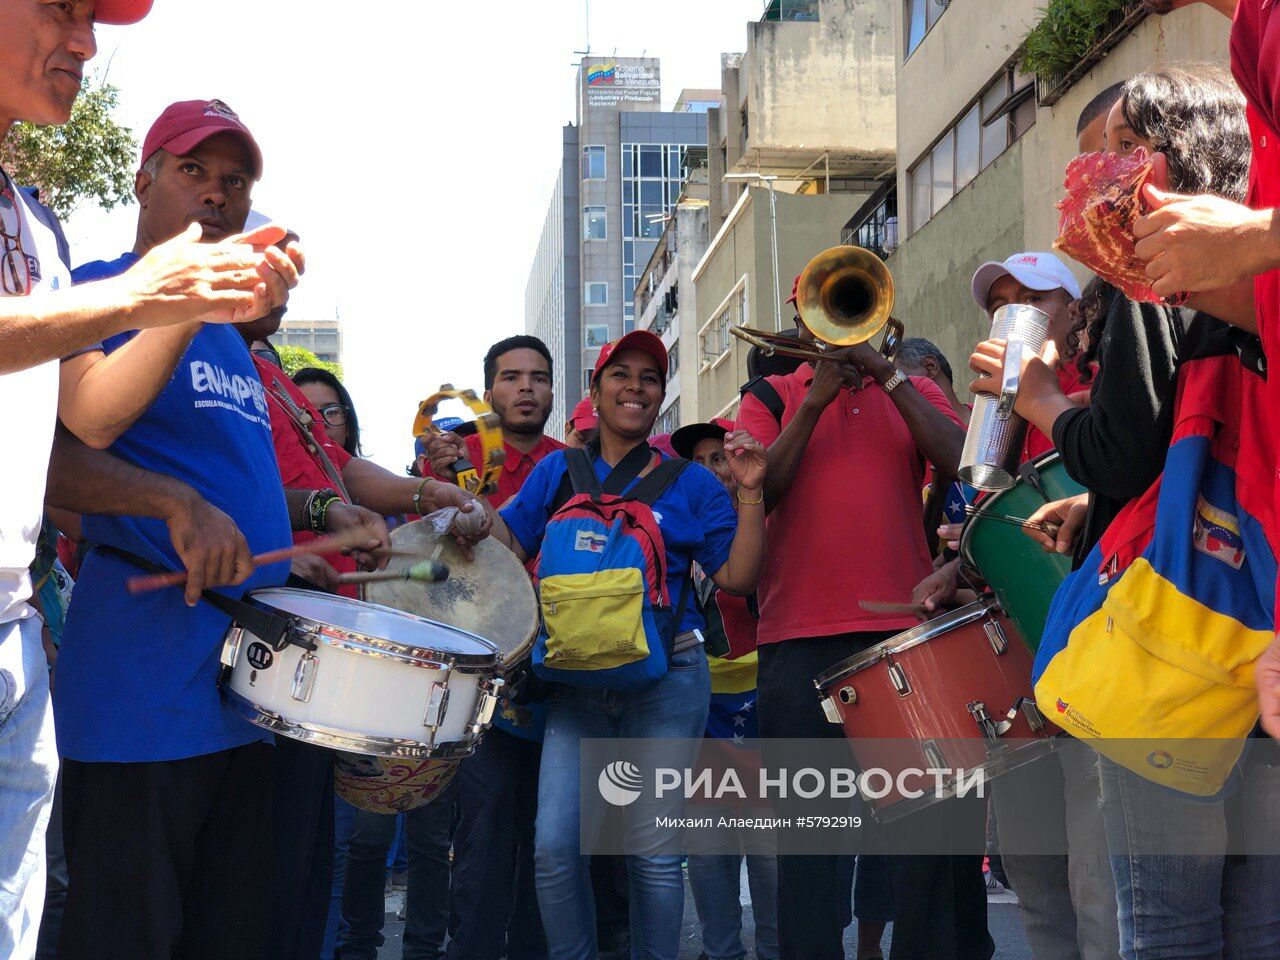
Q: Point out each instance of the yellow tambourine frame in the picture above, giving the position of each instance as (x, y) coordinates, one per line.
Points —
(481, 479)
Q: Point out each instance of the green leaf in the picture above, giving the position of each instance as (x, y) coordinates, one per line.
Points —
(91, 157)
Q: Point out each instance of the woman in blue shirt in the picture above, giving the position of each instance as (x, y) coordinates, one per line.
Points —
(699, 524)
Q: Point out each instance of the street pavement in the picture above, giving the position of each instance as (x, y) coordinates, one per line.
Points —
(1002, 918)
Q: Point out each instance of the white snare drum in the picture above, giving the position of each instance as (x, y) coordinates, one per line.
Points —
(377, 681)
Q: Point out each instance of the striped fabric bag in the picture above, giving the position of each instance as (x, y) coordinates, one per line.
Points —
(1149, 650)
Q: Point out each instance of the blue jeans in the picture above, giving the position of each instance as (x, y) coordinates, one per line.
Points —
(1200, 906)
(28, 770)
(716, 882)
(674, 708)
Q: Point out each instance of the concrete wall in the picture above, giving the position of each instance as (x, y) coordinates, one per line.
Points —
(691, 242)
(826, 84)
(1009, 206)
(932, 270)
(806, 226)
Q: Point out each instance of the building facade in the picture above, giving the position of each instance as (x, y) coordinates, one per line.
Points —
(981, 152)
(321, 337)
(629, 162)
(666, 300)
(803, 139)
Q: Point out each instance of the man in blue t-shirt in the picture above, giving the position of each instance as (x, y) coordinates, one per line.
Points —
(183, 786)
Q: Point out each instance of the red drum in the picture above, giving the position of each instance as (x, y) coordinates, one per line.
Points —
(946, 694)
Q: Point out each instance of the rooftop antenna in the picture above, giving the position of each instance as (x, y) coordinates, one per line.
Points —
(586, 19)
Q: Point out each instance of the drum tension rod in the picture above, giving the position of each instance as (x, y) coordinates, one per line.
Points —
(990, 729)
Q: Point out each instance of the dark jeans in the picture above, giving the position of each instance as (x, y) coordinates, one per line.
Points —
(940, 907)
(813, 891)
(303, 851)
(429, 831)
(168, 859)
(495, 904)
(55, 883)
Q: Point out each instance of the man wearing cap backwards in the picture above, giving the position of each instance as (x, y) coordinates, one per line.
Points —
(43, 48)
(149, 749)
(846, 466)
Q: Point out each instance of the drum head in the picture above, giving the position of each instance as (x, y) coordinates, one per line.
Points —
(391, 627)
(490, 596)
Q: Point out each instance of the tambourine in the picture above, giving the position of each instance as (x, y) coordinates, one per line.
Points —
(480, 480)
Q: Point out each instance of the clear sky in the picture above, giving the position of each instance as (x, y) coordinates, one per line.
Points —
(413, 145)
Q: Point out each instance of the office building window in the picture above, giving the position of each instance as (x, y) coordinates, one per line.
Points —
(918, 18)
(595, 294)
(589, 368)
(593, 163)
(876, 230)
(595, 336)
(1003, 112)
(593, 224)
(673, 361)
(652, 175)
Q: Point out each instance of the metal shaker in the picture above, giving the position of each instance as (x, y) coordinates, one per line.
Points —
(993, 445)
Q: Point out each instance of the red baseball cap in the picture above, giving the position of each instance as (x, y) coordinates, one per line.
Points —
(185, 125)
(120, 12)
(795, 291)
(635, 340)
(584, 416)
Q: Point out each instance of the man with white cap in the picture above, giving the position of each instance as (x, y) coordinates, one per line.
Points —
(1042, 281)
(43, 49)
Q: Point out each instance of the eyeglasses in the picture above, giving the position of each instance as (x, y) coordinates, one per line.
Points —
(15, 274)
(335, 414)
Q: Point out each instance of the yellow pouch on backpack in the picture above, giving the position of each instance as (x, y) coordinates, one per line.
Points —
(594, 621)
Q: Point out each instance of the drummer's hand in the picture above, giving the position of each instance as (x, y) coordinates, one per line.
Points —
(949, 533)
(1069, 515)
(1039, 398)
(373, 550)
(444, 451)
(1267, 677)
(938, 588)
(209, 544)
(315, 570)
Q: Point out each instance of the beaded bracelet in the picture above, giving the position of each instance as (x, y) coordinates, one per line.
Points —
(318, 509)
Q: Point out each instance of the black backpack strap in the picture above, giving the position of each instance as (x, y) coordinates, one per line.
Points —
(628, 468)
(271, 628)
(651, 488)
(767, 394)
(581, 474)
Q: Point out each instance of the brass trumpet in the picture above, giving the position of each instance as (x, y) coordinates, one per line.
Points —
(844, 297)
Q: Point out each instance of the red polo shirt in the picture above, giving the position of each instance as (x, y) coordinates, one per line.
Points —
(1070, 384)
(299, 468)
(516, 469)
(851, 527)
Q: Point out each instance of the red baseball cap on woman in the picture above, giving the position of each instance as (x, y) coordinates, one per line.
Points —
(650, 343)
(120, 12)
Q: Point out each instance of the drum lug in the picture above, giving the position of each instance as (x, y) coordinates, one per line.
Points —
(995, 637)
(898, 677)
(231, 648)
(437, 702)
(830, 710)
(1035, 719)
(933, 753)
(304, 676)
(490, 691)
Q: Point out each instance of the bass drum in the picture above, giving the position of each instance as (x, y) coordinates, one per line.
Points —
(491, 597)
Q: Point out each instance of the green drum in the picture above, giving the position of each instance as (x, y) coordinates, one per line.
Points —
(1023, 576)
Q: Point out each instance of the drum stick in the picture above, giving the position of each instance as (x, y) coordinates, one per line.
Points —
(333, 544)
(884, 606)
(1048, 529)
(426, 571)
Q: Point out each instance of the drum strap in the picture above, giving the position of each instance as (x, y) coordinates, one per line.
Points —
(271, 628)
(302, 422)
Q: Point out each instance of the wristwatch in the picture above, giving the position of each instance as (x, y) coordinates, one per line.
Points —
(894, 382)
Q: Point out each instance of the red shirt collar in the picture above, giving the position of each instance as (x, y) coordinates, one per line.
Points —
(539, 450)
